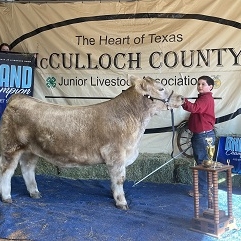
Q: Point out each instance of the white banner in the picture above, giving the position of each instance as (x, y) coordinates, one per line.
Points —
(85, 52)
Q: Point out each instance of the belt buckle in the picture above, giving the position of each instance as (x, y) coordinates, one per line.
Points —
(203, 132)
(206, 131)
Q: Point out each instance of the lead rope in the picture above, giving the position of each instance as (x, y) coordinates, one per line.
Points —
(173, 132)
(161, 166)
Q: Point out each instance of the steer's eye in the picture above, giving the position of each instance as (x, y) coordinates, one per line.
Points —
(161, 89)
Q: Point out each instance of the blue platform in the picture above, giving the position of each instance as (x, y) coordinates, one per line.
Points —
(72, 210)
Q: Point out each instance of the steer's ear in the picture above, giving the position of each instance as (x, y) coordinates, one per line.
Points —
(133, 79)
(141, 84)
(144, 85)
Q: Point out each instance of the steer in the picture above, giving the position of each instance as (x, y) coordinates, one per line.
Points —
(71, 136)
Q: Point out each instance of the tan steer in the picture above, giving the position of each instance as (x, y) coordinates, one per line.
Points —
(71, 136)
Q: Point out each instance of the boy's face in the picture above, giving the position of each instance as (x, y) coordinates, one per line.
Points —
(203, 87)
(5, 48)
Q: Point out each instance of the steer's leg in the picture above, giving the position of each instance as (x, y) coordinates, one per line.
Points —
(28, 163)
(8, 164)
(117, 176)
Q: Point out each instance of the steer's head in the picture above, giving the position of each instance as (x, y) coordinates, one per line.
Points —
(156, 92)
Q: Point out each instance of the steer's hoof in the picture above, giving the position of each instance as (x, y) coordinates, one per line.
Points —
(123, 207)
(35, 195)
(8, 200)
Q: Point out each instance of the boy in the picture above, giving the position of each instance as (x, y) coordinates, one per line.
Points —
(4, 47)
(201, 124)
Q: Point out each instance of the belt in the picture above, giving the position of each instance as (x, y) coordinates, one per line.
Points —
(203, 132)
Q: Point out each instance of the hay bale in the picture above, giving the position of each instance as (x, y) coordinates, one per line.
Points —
(85, 172)
(182, 171)
(183, 174)
(147, 163)
(236, 179)
(144, 165)
(176, 171)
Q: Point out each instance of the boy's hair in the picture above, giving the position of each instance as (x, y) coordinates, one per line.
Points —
(208, 79)
(5, 44)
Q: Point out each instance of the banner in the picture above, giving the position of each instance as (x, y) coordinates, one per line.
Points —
(229, 149)
(85, 52)
(16, 76)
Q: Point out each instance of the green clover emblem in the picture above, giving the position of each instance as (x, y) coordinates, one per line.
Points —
(51, 82)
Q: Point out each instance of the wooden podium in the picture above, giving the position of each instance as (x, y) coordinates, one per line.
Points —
(213, 221)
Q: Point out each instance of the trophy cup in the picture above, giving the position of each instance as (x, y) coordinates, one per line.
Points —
(210, 151)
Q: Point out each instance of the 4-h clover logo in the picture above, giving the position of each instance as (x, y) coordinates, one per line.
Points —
(51, 82)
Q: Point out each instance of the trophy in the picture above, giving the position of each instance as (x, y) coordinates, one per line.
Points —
(210, 151)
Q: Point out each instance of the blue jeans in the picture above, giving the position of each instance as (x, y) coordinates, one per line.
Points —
(199, 146)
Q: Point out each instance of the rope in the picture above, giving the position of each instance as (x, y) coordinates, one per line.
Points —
(161, 166)
(173, 132)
